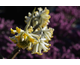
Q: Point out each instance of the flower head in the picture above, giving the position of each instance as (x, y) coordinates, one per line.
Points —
(36, 34)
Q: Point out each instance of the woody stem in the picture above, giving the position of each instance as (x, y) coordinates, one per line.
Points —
(14, 53)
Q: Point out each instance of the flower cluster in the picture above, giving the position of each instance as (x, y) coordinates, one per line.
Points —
(36, 35)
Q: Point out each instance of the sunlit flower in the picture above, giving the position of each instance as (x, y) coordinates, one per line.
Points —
(41, 46)
(24, 37)
(36, 34)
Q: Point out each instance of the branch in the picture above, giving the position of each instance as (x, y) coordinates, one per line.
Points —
(14, 53)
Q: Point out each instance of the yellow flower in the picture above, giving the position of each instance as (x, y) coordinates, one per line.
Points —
(18, 29)
(40, 46)
(36, 34)
(23, 38)
(12, 31)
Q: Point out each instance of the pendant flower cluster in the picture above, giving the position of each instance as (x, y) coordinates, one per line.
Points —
(36, 34)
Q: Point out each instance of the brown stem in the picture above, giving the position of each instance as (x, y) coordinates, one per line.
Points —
(14, 53)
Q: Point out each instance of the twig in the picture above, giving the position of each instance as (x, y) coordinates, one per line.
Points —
(14, 53)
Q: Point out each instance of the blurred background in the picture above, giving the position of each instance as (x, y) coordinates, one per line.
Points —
(64, 19)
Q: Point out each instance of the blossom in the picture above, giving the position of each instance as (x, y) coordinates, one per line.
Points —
(36, 34)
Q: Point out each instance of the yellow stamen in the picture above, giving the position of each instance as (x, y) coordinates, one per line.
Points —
(49, 17)
(25, 35)
(12, 31)
(18, 37)
(30, 29)
(48, 45)
(44, 24)
(29, 49)
(31, 40)
(18, 29)
(47, 11)
(40, 53)
(47, 50)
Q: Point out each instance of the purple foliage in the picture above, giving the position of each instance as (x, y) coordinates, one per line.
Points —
(66, 37)
(72, 10)
(6, 45)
